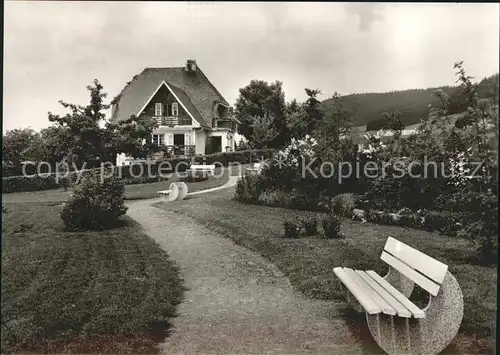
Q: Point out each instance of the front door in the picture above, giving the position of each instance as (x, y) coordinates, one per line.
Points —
(179, 144)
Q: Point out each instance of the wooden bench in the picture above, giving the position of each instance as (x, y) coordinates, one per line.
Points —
(201, 168)
(177, 191)
(395, 322)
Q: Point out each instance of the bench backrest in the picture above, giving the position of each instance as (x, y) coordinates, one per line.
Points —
(425, 271)
(202, 167)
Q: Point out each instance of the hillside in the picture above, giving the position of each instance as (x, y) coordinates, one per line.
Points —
(414, 104)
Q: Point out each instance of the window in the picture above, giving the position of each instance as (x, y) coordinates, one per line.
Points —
(175, 109)
(158, 109)
(158, 139)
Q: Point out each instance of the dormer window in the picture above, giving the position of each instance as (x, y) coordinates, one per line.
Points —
(175, 109)
(158, 109)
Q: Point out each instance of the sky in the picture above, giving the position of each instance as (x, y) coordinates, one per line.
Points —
(53, 50)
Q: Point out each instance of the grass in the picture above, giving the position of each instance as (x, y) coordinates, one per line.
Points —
(308, 262)
(108, 292)
(132, 192)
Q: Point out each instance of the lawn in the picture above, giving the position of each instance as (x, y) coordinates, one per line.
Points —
(308, 262)
(132, 192)
(106, 292)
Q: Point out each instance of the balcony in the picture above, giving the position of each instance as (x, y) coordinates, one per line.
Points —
(181, 150)
(224, 123)
(172, 121)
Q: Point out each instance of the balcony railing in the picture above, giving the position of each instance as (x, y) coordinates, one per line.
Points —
(181, 150)
(224, 123)
(172, 121)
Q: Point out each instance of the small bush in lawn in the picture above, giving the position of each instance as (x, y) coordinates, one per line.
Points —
(343, 204)
(95, 204)
(310, 226)
(331, 226)
(291, 230)
(4, 209)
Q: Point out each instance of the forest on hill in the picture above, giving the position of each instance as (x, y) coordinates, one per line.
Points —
(414, 104)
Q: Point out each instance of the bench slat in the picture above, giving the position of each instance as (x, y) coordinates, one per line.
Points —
(393, 302)
(417, 260)
(413, 275)
(202, 167)
(357, 291)
(383, 304)
(417, 312)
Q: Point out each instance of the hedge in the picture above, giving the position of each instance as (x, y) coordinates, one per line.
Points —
(132, 174)
(239, 156)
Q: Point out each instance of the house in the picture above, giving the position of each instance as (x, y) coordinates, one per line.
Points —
(193, 117)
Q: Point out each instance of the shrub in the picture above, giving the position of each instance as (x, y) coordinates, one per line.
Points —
(95, 204)
(444, 222)
(486, 242)
(249, 188)
(410, 220)
(300, 200)
(4, 209)
(291, 229)
(310, 226)
(271, 198)
(331, 226)
(343, 205)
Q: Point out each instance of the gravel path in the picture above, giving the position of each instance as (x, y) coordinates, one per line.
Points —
(237, 302)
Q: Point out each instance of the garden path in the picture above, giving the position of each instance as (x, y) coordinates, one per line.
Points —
(238, 302)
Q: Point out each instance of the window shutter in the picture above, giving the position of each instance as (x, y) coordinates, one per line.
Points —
(158, 109)
(187, 139)
(170, 139)
(175, 109)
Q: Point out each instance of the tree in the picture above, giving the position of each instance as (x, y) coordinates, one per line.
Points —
(16, 145)
(132, 137)
(394, 120)
(260, 105)
(77, 137)
(337, 123)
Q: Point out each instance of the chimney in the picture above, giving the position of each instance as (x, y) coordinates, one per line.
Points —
(191, 66)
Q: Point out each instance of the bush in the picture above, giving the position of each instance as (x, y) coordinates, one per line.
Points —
(4, 209)
(271, 198)
(444, 222)
(331, 226)
(95, 204)
(249, 188)
(291, 230)
(487, 243)
(297, 199)
(310, 226)
(410, 220)
(343, 205)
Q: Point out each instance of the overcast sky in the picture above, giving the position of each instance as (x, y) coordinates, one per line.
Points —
(52, 50)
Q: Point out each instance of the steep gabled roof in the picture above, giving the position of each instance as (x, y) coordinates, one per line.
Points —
(193, 89)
